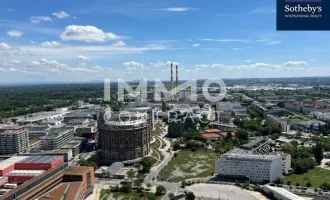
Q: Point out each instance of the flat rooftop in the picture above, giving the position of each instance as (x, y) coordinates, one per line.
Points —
(76, 170)
(70, 190)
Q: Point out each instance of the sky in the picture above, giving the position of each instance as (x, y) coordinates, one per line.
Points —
(83, 40)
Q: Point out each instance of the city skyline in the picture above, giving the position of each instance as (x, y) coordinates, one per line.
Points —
(88, 41)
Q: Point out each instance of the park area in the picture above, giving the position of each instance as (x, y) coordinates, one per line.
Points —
(315, 177)
(189, 164)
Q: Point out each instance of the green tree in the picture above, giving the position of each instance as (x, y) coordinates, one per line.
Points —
(126, 188)
(160, 190)
(190, 196)
(242, 135)
(131, 174)
(137, 183)
(146, 163)
(318, 155)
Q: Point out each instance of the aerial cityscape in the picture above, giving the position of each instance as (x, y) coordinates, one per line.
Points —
(163, 100)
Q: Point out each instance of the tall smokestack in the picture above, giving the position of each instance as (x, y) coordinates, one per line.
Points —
(171, 76)
(177, 83)
(177, 77)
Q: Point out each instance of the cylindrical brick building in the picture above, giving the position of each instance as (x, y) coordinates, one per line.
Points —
(125, 135)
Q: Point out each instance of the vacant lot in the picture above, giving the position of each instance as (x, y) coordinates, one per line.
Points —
(315, 177)
(216, 191)
(189, 164)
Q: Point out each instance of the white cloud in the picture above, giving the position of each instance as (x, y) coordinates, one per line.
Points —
(159, 64)
(222, 40)
(61, 15)
(38, 19)
(215, 65)
(177, 9)
(51, 44)
(132, 65)
(44, 66)
(13, 33)
(269, 41)
(71, 51)
(196, 45)
(15, 62)
(247, 60)
(11, 63)
(83, 58)
(119, 44)
(296, 63)
(87, 34)
(4, 46)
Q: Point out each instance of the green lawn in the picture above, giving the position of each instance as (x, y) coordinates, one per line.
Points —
(189, 164)
(156, 144)
(133, 196)
(316, 177)
(154, 161)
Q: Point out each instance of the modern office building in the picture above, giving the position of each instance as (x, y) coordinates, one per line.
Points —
(125, 136)
(74, 146)
(239, 163)
(286, 161)
(36, 132)
(13, 141)
(58, 136)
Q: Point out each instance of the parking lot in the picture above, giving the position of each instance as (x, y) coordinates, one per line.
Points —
(216, 191)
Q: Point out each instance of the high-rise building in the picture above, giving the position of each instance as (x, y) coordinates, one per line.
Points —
(13, 141)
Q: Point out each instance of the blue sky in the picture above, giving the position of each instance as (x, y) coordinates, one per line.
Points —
(92, 40)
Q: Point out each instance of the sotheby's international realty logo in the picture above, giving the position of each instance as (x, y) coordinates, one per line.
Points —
(303, 15)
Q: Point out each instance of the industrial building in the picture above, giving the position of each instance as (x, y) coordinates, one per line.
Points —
(239, 163)
(82, 114)
(13, 140)
(228, 110)
(66, 153)
(40, 116)
(126, 136)
(58, 136)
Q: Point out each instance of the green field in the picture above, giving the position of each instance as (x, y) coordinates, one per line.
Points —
(133, 196)
(316, 177)
(189, 164)
(156, 144)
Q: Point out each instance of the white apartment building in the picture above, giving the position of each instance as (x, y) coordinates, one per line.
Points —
(257, 168)
(286, 161)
